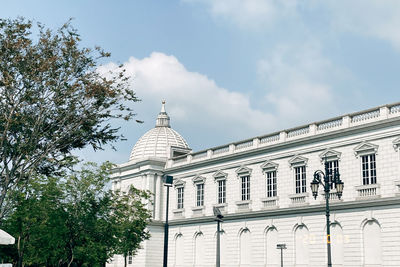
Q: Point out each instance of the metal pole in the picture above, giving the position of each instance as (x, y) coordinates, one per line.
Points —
(218, 243)
(166, 232)
(281, 257)
(328, 223)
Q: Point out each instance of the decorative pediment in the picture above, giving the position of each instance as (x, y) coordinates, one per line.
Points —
(365, 148)
(220, 175)
(396, 143)
(243, 171)
(179, 183)
(329, 155)
(199, 179)
(298, 161)
(269, 166)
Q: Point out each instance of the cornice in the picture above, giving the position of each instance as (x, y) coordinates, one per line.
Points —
(338, 206)
(127, 166)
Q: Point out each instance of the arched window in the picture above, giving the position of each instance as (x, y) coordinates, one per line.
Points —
(272, 255)
(199, 248)
(245, 248)
(337, 241)
(179, 253)
(372, 243)
(302, 243)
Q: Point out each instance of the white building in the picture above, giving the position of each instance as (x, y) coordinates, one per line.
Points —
(262, 185)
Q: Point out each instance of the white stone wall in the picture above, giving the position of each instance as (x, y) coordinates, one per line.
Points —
(351, 222)
(387, 164)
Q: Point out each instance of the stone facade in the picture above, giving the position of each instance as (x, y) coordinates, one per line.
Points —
(365, 225)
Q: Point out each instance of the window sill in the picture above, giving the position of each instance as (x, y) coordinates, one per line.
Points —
(223, 207)
(369, 191)
(270, 202)
(333, 197)
(243, 205)
(178, 213)
(299, 199)
(198, 211)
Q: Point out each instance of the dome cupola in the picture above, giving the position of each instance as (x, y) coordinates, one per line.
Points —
(157, 141)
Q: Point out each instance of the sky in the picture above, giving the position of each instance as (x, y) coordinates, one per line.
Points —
(235, 69)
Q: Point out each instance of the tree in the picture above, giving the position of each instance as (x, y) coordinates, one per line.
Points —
(75, 221)
(129, 211)
(52, 101)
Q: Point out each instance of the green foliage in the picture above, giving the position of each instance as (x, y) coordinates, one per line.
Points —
(52, 101)
(75, 221)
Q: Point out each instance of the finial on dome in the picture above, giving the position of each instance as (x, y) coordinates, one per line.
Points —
(163, 106)
(162, 118)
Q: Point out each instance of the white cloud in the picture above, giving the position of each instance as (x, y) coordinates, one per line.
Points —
(374, 18)
(194, 102)
(297, 83)
(249, 13)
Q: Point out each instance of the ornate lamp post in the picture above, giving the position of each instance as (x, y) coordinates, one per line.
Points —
(327, 180)
(168, 183)
(218, 218)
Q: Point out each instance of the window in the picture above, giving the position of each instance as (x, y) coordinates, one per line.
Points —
(245, 248)
(372, 244)
(302, 246)
(179, 250)
(221, 191)
(199, 249)
(333, 166)
(368, 169)
(180, 195)
(300, 176)
(271, 183)
(245, 187)
(199, 195)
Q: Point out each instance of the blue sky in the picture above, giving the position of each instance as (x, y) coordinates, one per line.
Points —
(234, 69)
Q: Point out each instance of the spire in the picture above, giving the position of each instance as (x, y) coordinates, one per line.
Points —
(162, 118)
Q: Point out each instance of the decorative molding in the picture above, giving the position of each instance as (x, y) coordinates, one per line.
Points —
(220, 175)
(396, 144)
(179, 183)
(298, 161)
(348, 205)
(365, 148)
(243, 171)
(269, 166)
(198, 179)
(330, 155)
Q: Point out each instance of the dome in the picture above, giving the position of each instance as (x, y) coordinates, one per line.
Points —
(155, 143)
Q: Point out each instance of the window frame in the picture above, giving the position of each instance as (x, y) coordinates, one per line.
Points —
(368, 168)
(299, 163)
(221, 177)
(221, 191)
(179, 186)
(269, 168)
(199, 194)
(244, 176)
(199, 190)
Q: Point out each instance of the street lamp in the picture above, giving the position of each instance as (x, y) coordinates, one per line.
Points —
(218, 218)
(327, 180)
(168, 183)
(281, 247)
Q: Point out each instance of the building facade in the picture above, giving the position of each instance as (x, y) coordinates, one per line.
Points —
(262, 186)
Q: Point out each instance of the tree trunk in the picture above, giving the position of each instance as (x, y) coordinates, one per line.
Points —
(125, 256)
(20, 253)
